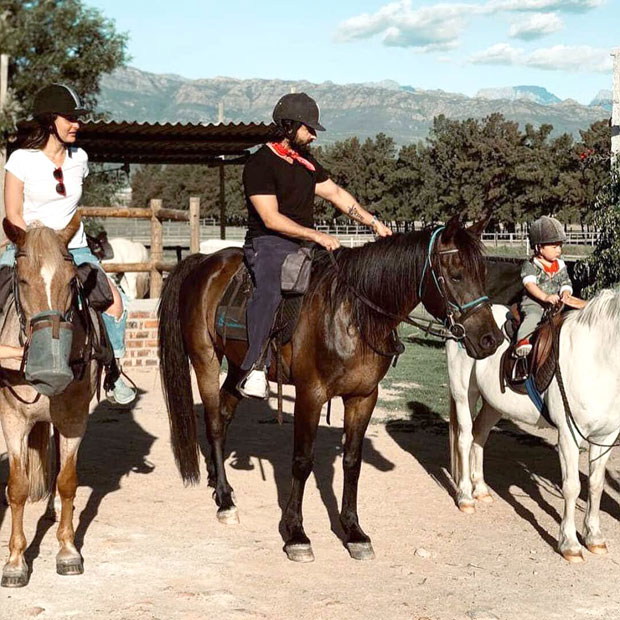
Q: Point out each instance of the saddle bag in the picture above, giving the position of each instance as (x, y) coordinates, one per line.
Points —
(296, 271)
(96, 286)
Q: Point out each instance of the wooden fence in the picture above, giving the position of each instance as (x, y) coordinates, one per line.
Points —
(157, 214)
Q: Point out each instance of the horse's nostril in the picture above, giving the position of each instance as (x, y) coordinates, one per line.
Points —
(487, 341)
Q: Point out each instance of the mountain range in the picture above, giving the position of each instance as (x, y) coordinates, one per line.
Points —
(363, 110)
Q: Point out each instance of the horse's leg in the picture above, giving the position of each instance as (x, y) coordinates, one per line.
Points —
(357, 412)
(15, 571)
(306, 421)
(219, 408)
(484, 422)
(595, 542)
(462, 406)
(568, 545)
(68, 558)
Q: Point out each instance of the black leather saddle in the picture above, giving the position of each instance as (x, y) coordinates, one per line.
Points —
(230, 315)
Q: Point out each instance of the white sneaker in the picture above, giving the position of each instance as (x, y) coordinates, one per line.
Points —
(255, 385)
(523, 350)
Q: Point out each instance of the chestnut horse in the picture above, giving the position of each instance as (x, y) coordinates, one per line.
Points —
(342, 346)
(45, 283)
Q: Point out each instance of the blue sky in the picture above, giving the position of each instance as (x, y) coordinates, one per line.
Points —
(458, 46)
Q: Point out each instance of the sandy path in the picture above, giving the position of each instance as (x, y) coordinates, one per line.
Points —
(153, 549)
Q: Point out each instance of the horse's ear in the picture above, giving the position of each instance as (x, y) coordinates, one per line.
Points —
(15, 234)
(452, 225)
(477, 228)
(66, 234)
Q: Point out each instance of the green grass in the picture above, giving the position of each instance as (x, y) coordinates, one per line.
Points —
(419, 380)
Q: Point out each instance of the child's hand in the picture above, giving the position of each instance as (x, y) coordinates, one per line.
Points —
(554, 299)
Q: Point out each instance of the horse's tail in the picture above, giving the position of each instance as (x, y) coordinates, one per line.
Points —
(455, 464)
(175, 371)
(37, 462)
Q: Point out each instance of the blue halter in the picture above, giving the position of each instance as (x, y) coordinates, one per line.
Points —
(457, 329)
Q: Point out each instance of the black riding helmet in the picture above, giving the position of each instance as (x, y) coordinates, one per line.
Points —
(298, 107)
(57, 99)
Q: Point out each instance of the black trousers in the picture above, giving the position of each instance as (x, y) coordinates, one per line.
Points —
(264, 257)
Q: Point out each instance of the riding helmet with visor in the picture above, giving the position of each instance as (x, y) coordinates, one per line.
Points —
(58, 99)
(298, 107)
(546, 230)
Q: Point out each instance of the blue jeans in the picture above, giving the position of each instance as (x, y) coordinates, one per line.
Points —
(115, 328)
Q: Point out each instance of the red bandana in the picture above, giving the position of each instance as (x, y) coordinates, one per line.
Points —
(551, 269)
(294, 155)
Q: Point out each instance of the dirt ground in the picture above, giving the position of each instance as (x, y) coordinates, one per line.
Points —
(154, 549)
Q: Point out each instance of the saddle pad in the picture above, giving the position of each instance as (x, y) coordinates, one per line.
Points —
(230, 315)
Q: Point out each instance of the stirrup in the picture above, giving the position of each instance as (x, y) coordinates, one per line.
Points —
(520, 370)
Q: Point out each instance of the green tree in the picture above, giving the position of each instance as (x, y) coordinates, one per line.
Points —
(602, 268)
(55, 41)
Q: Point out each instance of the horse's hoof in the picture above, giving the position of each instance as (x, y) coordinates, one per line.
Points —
(467, 508)
(70, 566)
(361, 550)
(485, 498)
(229, 516)
(14, 577)
(600, 549)
(572, 557)
(299, 552)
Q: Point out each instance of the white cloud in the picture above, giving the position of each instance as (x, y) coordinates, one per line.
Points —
(536, 26)
(574, 59)
(430, 28)
(578, 58)
(498, 54)
(439, 26)
(567, 6)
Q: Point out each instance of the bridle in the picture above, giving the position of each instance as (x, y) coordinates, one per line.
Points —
(454, 325)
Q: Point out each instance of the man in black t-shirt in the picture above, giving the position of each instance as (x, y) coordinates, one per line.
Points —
(280, 181)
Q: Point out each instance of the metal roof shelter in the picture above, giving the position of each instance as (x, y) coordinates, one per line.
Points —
(166, 143)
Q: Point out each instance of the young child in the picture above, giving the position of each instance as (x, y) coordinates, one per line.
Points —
(545, 279)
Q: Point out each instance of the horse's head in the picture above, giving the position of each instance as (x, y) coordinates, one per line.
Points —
(453, 287)
(45, 269)
(100, 246)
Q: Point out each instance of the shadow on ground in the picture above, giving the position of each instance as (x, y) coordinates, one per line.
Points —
(254, 435)
(513, 458)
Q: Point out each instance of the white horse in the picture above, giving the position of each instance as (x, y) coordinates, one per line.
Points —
(134, 284)
(589, 354)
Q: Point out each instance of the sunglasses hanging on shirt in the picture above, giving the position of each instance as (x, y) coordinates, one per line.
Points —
(60, 187)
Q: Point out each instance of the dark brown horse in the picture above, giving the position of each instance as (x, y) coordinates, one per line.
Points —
(342, 346)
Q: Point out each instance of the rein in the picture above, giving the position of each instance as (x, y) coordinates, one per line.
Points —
(570, 419)
(456, 329)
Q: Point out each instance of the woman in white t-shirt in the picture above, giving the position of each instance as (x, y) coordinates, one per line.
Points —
(43, 184)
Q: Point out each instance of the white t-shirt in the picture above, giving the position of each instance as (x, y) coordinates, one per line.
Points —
(41, 200)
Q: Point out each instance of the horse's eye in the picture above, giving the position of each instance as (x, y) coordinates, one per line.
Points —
(457, 277)
(23, 282)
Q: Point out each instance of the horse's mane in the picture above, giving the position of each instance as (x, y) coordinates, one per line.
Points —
(602, 309)
(387, 272)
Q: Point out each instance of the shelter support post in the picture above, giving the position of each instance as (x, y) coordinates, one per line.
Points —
(4, 85)
(194, 225)
(157, 248)
(222, 201)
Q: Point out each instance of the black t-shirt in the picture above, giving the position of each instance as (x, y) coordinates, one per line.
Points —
(292, 184)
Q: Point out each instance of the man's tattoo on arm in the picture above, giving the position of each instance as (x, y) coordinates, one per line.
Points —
(354, 213)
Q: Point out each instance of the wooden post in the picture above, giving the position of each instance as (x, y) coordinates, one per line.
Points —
(157, 249)
(194, 225)
(615, 110)
(222, 201)
(4, 85)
